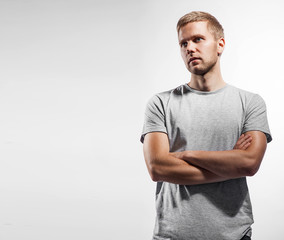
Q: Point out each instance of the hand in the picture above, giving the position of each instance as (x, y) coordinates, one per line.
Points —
(243, 142)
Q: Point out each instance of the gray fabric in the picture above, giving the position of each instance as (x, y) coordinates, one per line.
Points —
(211, 121)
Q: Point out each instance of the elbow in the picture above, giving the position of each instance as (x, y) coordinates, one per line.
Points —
(154, 177)
(155, 172)
(251, 171)
(251, 167)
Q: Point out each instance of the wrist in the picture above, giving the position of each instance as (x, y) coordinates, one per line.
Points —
(179, 155)
(188, 155)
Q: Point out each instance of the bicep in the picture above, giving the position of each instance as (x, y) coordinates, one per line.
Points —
(156, 145)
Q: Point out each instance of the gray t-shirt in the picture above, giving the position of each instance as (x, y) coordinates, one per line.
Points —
(210, 121)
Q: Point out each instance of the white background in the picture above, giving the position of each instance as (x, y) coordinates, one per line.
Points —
(75, 77)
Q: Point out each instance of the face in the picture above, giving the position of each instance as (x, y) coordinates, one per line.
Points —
(199, 48)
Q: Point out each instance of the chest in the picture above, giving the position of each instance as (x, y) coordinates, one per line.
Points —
(204, 123)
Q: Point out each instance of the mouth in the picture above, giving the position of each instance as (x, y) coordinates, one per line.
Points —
(193, 59)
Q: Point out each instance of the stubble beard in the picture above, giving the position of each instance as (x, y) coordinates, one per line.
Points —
(202, 70)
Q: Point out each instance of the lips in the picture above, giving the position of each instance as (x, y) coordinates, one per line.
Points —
(192, 59)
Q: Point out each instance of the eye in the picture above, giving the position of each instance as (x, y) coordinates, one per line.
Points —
(183, 44)
(197, 39)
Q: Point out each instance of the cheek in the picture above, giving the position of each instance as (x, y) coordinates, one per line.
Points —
(183, 55)
(209, 46)
(211, 51)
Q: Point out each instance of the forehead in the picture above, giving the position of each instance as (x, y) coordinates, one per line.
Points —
(194, 29)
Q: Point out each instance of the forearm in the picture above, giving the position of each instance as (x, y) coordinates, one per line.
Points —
(165, 166)
(243, 160)
(174, 170)
(232, 163)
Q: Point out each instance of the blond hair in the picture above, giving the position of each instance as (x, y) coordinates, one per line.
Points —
(197, 16)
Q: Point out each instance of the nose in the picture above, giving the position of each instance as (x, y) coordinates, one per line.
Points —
(190, 48)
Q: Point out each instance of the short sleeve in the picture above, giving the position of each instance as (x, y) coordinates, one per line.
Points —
(256, 117)
(154, 120)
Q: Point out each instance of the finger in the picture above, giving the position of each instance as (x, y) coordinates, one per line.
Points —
(245, 138)
(241, 137)
(244, 143)
(240, 140)
(248, 139)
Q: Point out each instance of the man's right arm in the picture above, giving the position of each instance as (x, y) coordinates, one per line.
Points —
(164, 167)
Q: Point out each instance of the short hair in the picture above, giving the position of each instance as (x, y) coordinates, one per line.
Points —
(197, 16)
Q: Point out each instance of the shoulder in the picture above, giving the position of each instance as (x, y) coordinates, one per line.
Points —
(246, 97)
(243, 93)
(165, 96)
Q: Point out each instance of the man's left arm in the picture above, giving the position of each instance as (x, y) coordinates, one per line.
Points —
(232, 163)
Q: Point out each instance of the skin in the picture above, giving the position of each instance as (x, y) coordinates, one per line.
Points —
(201, 52)
(196, 41)
(170, 167)
(230, 164)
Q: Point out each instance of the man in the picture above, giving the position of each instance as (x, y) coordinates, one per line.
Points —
(201, 140)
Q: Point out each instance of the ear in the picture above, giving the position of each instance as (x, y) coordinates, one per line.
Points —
(221, 46)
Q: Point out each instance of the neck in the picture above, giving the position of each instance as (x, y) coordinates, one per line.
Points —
(211, 81)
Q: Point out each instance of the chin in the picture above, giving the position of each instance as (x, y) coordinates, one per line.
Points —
(197, 71)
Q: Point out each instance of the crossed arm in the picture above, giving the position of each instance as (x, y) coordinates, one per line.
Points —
(198, 167)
